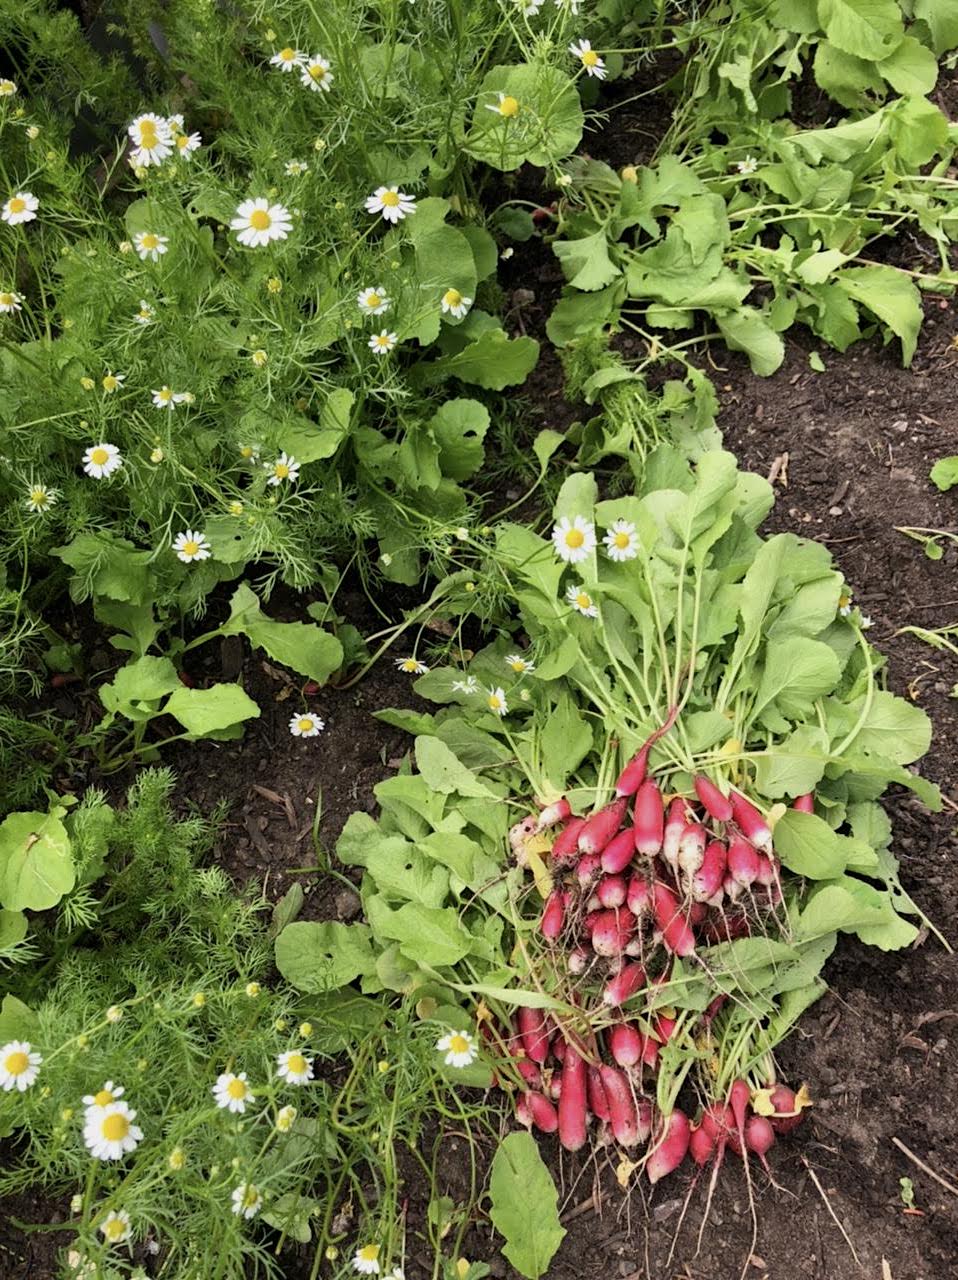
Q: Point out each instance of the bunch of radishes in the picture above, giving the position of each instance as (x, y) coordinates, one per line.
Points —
(630, 890)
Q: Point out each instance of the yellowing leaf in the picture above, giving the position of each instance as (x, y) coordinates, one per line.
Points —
(540, 874)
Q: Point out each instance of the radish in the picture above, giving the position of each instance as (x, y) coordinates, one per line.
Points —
(555, 1087)
(534, 1030)
(743, 863)
(805, 803)
(553, 814)
(633, 775)
(674, 826)
(602, 826)
(637, 896)
(629, 980)
(739, 1099)
(691, 848)
(717, 1120)
(707, 880)
(617, 854)
(567, 841)
(611, 931)
(598, 1102)
(752, 823)
(529, 1072)
(665, 1027)
(650, 1052)
(759, 1136)
(611, 891)
(769, 869)
(676, 934)
(625, 1044)
(558, 1049)
(701, 1145)
(553, 915)
(788, 1108)
(715, 804)
(519, 834)
(670, 1146)
(623, 1114)
(644, 1116)
(649, 819)
(588, 869)
(535, 1109)
(578, 961)
(572, 1102)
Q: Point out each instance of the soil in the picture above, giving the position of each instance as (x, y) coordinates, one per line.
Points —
(851, 449)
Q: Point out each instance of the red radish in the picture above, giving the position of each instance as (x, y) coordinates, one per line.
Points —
(602, 826)
(534, 1030)
(638, 897)
(714, 803)
(310, 688)
(64, 678)
(701, 1145)
(739, 1099)
(611, 931)
(743, 863)
(555, 1087)
(629, 980)
(788, 1108)
(644, 1116)
(674, 826)
(572, 1108)
(588, 869)
(769, 871)
(664, 1027)
(676, 934)
(567, 841)
(805, 803)
(670, 1146)
(611, 891)
(553, 814)
(623, 1114)
(625, 1044)
(523, 1110)
(759, 1137)
(707, 881)
(520, 833)
(535, 1109)
(617, 854)
(716, 1005)
(553, 915)
(558, 1048)
(529, 1072)
(650, 1052)
(634, 948)
(578, 961)
(633, 775)
(598, 1102)
(718, 1120)
(752, 823)
(691, 848)
(649, 819)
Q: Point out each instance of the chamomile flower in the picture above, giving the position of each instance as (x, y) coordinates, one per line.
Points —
(186, 144)
(620, 541)
(294, 1067)
(40, 498)
(865, 622)
(316, 75)
(520, 665)
(109, 1132)
(284, 1119)
(366, 1260)
(20, 207)
(747, 166)
(845, 603)
(247, 1200)
(295, 168)
(284, 468)
(103, 1097)
(152, 140)
(116, 1227)
(111, 381)
(259, 357)
(468, 686)
(232, 1092)
(591, 62)
(572, 5)
(249, 452)
(580, 600)
(383, 342)
(574, 540)
(496, 701)
(529, 8)
(459, 1047)
(306, 726)
(288, 59)
(190, 546)
(101, 460)
(19, 1066)
(507, 106)
(165, 398)
(7, 88)
(393, 204)
(9, 301)
(149, 245)
(146, 313)
(411, 666)
(373, 301)
(259, 223)
(453, 303)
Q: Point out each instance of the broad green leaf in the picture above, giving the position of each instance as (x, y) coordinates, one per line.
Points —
(404, 874)
(464, 858)
(577, 497)
(107, 565)
(867, 28)
(303, 646)
(942, 19)
(911, 70)
(431, 936)
(493, 361)
(321, 957)
(13, 929)
(893, 728)
(459, 428)
(844, 77)
(547, 123)
(36, 861)
(210, 711)
(918, 129)
(808, 846)
(892, 297)
(290, 1213)
(794, 766)
(944, 474)
(747, 330)
(797, 671)
(525, 1205)
(559, 661)
(444, 772)
(586, 262)
(18, 1021)
(566, 740)
(137, 688)
(849, 905)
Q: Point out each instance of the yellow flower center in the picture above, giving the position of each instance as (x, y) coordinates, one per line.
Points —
(148, 136)
(190, 547)
(518, 665)
(369, 1253)
(115, 1127)
(281, 471)
(246, 451)
(250, 1197)
(110, 382)
(17, 204)
(260, 220)
(458, 1042)
(296, 1063)
(177, 1159)
(236, 1088)
(16, 1063)
(183, 141)
(590, 58)
(6, 299)
(622, 540)
(305, 725)
(317, 72)
(508, 106)
(574, 538)
(495, 702)
(390, 199)
(287, 54)
(149, 241)
(452, 298)
(409, 664)
(103, 1098)
(38, 497)
(114, 1230)
(583, 600)
(382, 340)
(373, 300)
(99, 456)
